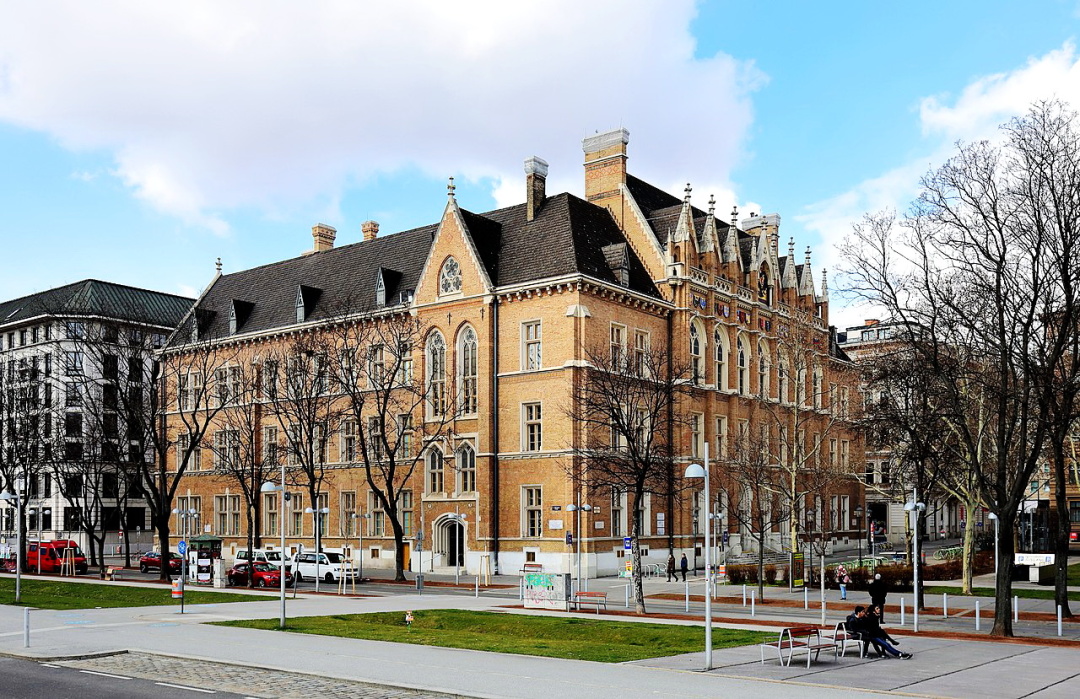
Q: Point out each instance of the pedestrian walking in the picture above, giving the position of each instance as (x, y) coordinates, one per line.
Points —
(842, 579)
(684, 566)
(671, 568)
(878, 592)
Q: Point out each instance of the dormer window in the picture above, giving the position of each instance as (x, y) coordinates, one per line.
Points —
(306, 298)
(301, 313)
(380, 291)
(238, 315)
(450, 277)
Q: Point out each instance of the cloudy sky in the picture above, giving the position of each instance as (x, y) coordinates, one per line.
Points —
(141, 141)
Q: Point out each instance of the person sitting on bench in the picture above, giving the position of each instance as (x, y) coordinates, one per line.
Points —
(879, 636)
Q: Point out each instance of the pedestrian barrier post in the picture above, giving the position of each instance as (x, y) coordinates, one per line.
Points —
(744, 595)
(753, 596)
(945, 605)
(26, 626)
(824, 605)
(806, 598)
(1016, 608)
(1059, 619)
(901, 611)
(978, 621)
(477, 592)
(626, 604)
(687, 595)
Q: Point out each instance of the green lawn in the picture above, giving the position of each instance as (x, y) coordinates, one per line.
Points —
(1042, 593)
(56, 594)
(1074, 575)
(555, 637)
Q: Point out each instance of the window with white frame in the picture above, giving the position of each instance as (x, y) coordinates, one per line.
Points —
(641, 352)
(783, 381)
(532, 345)
(436, 473)
(227, 384)
(643, 512)
(845, 455)
(845, 512)
(296, 518)
(405, 436)
(697, 361)
(618, 346)
(376, 365)
(74, 364)
(722, 436)
(466, 469)
(834, 512)
(743, 368)
(375, 438)
(349, 439)
(436, 374)
(322, 504)
(347, 525)
(226, 449)
(227, 515)
(818, 387)
(271, 446)
(720, 355)
(403, 357)
(270, 379)
(763, 369)
(533, 511)
(697, 435)
(450, 277)
(183, 443)
(467, 371)
(618, 512)
(532, 424)
(405, 511)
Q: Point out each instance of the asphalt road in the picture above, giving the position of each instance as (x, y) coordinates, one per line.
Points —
(24, 679)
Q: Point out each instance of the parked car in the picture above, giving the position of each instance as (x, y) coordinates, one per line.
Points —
(262, 556)
(54, 556)
(328, 566)
(265, 575)
(151, 560)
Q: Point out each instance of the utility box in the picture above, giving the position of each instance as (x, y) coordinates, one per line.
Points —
(1041, 575)
(219, 573)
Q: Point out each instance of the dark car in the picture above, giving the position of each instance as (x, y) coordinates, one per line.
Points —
(266, 575)
(151, 560)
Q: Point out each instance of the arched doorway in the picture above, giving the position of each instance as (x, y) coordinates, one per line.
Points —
(450, 541)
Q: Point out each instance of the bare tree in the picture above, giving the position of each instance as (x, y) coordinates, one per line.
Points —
(626, 408)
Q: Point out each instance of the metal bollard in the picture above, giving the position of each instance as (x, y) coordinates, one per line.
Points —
(945, 605)
(627, 590)
(753, 597)
(901, 611)
(824, 606)
(1059, 619)
(744, 595)
(477, 592)
(806, 598)
(26, 626)
(1016, 608)
(687, 595)
(521, 589)
(978, 619)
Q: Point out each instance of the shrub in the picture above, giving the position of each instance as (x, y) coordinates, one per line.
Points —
(742, 574)
(770, 574)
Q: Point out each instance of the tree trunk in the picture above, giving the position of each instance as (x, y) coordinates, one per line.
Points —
(161, 526)
(969, 548)
(1061, 537)
(399, 548)
(639, 591)
(1003, 592)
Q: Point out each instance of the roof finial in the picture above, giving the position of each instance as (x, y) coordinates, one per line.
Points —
(807, 254)
(791, 247)
(450, 188)
(686, 199)
(712, 204)
(824, 280)
(734, 216)
(217, 265)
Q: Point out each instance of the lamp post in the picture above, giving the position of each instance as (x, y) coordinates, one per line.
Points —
(997, 524)
(10, 498)
(858, 516)
(270, 487)
(318, 516)
(914, 507)
(460, 519)
(359, 518)
(577, 536)
(699, 471)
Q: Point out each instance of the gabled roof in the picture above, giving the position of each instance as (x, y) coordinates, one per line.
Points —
(92, 297)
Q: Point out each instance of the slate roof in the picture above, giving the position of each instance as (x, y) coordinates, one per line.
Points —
(92, 297)
(662, 210)
(566, 237)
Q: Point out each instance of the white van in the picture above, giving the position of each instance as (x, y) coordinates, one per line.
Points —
(329, 566)
(261, 556)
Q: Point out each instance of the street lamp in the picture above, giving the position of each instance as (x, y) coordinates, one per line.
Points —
(460, 519)
(577, 536)
(699, 471)
(270, 487)
(359, 520)
(914, 507)
(10, 498)
(997, 523)
(318, 516)
(858, 517)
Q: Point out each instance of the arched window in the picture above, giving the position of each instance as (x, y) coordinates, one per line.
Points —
(743, 366)
(763, 369)
(697, 361)
(435, 471)
(450, 277)
(466, 366)
(436, 373)
(783, 379)
(819, 387)
(720, 357)
(466, 467)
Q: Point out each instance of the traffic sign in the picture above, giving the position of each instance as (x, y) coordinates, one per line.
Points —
(627, 543)
(182, 547)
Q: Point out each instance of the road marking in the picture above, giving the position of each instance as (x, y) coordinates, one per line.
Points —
(180, 686)
(56, 667)
(104, 674)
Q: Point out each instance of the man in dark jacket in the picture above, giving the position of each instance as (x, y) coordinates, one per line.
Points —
(878, 591)
(684, 566)
(856, 626)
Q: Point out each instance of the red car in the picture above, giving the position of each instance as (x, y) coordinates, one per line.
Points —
(266, 575)
(151, 560)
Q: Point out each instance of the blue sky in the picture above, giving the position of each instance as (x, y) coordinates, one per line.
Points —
(141, 141)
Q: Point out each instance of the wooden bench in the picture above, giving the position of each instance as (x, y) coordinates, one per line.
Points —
(114, 573)
(594, 598)
(799, 639)
(532, 568)
(842, 637)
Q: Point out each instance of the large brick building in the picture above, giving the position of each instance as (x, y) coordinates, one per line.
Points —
(510, 302)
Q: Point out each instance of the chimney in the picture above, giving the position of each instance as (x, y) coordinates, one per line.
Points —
(605, 163)
(324, 236)
(871, 322)
(370, 229)
(536, 170)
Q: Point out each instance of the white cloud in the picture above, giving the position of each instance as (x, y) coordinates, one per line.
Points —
(974, 114)
(209, 106)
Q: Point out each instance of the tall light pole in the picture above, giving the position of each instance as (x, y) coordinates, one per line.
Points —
(270, 487)
(577, 537)
(10, 498)
(318, 516)
(359, 518)
(460, 519)
(997, 524)
(914, 507)
(858, 517)
(698, 471)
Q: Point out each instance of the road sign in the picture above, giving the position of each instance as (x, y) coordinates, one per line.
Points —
(627, 543)
(182, 547)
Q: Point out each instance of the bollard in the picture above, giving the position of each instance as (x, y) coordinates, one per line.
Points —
(477, 591)
(687, 595)
(744, 595)
(806, 598)
(978, 620)
(1059, 619)
(945, 605)
(26, 626)
(753, 596)
(627, 591)
(901, 611)
(521, 589)
(824, 606)
(1016, 608)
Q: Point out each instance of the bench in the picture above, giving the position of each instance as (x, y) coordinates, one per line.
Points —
(801, 639)
(594, 598)
(842, 637)
(114, 573)
(532, 568)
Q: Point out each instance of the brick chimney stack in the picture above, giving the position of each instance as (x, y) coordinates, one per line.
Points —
(605, 164)
(370, 229)
(536, 170)
(324, 236)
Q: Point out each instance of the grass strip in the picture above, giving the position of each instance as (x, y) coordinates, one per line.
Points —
(548, 636)
(56, 594)
(989, 592)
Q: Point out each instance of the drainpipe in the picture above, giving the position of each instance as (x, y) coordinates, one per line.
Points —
(495, 487)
